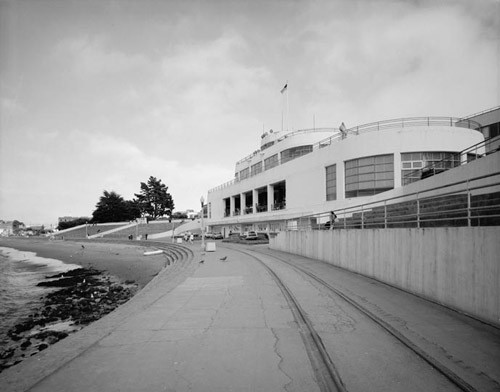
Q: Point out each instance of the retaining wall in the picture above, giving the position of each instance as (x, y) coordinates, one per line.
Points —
(456, 266)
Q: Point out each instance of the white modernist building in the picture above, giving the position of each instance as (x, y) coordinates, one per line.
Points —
(312, 171)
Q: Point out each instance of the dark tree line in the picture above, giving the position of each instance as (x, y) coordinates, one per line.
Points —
(153, 201)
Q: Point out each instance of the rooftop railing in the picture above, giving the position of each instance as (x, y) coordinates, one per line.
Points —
(481, 112)
(365, 128)
(287, 135)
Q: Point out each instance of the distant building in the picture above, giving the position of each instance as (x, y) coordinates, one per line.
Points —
(71, 218)
(10, 228)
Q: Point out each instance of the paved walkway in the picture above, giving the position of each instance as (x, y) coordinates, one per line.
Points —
(224, 326)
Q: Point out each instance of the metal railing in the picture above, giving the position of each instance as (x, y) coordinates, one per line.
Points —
(415, 122)
(370, 127)
(481, 112)
(464, 203)
(467, 155)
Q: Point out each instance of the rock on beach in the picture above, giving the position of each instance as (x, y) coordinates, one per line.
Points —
(80, 296)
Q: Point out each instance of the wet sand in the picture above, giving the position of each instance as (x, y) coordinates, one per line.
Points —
(116, 271)
(124, 261)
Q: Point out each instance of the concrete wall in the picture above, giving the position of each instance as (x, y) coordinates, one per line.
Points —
(455, 266)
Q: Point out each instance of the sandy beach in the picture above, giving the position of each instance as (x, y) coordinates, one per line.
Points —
(125, 262)
(111, 274)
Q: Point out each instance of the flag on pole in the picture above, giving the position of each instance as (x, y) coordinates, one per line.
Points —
(284, 88)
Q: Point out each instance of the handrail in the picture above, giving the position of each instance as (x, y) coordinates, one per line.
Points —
(416, 217)
(481, 112)
(436, 165)
(287, 135)
(370, 127)
(414, 121)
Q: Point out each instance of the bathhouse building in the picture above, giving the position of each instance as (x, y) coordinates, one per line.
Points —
(313, 171)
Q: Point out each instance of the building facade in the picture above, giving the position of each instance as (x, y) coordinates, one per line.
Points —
(316, 170)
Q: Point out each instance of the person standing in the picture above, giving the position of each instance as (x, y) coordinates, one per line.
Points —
(333, 216)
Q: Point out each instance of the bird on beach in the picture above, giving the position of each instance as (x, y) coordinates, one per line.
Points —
(83, 247)
(202, 261)
(223, 258)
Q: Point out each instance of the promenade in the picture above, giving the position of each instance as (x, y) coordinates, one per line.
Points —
(216, 326)
(226, 326)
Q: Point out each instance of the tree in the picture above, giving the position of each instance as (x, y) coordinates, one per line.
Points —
(113, 208)
(154, 199)
(73, 223)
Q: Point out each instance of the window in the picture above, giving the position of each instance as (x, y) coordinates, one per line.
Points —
(369, 175)
(256, 169)
(271, 162)
(244, 174)
(295, 152)
(412, 164)
(331, 182)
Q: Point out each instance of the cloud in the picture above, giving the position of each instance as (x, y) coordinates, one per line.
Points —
(89, 55)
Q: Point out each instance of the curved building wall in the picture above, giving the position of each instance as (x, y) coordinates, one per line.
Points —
(305, 177)
(285, 142)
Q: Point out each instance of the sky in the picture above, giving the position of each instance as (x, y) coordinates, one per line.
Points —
(101, 95)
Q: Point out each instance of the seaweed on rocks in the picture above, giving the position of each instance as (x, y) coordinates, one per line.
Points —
(83, 296)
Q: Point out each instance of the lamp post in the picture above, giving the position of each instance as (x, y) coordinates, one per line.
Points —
(202, 201)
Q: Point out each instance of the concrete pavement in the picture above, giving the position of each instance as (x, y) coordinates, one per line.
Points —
(216, 326)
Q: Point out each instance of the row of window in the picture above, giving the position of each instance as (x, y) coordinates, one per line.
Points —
(272, 161)
(368, 176)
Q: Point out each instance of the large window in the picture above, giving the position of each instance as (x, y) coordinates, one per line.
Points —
(413, 162)
(331, 182)
(369, 175)
(270, 162)
(295, 152)
(256, 169)
(244, 174)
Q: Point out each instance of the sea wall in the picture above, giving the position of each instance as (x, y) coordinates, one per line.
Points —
(454, 266)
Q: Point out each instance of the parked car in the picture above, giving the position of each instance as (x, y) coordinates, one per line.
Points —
(209, 235)
(251, 235)
(217, 236)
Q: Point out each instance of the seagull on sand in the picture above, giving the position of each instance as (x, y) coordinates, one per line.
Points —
(223, 258)
(202, 261)
(83, 247)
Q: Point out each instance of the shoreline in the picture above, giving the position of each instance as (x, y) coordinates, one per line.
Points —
(110, 275)
(122, 260)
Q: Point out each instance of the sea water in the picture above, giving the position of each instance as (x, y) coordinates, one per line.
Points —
(20, 271)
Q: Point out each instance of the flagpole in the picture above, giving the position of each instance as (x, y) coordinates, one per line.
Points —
(285, 90)
(287, 110)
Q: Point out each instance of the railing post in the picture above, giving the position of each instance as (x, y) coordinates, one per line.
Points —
(385, 214)
(418, 212)
(469, 219)
(362, 218)
(345, 220)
